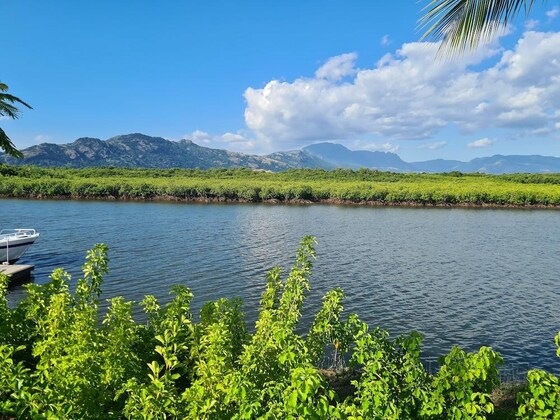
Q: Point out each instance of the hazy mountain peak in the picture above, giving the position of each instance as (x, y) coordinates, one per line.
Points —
(338, 155)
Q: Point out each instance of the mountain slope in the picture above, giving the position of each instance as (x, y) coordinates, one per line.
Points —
(499, 164)
(301, 159)
(339, 156)
(139, 150)
(438, 165)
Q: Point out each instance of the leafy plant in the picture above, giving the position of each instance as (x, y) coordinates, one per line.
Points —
(61, 358)
(542, 398)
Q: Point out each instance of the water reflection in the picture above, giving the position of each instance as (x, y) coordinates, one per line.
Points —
(467, 277)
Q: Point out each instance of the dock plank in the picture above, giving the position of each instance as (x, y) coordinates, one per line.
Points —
(17, 271)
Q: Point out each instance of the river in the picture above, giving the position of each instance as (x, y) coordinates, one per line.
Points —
(467, 277)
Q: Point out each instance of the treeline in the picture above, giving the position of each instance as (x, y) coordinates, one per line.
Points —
(60, 358)
(364, 174)
(314, 185)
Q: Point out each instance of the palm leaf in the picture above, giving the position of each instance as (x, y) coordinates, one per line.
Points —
(8, 146)
(6, 105)
(462, 24)
(8, 108)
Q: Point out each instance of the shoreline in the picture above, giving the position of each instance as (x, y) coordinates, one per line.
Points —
(297, 202)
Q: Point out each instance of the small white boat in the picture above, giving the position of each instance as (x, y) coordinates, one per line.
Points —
(14, 242)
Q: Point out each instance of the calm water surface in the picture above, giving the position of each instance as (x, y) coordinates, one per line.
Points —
(461, 277)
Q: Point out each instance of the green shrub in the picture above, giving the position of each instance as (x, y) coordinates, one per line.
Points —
(60, 358)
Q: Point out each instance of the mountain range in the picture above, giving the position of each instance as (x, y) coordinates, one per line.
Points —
(139, 150)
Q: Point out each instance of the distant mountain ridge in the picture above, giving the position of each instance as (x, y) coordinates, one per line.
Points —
(340, 157)
(139, 150)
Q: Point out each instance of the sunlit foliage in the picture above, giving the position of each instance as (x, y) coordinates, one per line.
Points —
(307, 185)
(62, 357)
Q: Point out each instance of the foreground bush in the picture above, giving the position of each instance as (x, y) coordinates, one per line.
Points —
(59, 359)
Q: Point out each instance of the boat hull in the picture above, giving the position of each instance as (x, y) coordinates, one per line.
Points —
(13, 246)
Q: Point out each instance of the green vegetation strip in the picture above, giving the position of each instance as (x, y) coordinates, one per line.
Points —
(61, 358)
(306, 185)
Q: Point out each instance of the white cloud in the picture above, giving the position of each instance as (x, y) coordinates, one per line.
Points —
(531, 24)
(233, 138)
(240, 140)
(42, 138)
(411, 95)
(480, 143)
(553, 13)
(433, 146)
(232, 141)
(375, 147)
(199, 136)
(337, 67)
(385, 40)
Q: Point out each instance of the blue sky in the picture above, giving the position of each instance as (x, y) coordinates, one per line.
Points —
(258, 76)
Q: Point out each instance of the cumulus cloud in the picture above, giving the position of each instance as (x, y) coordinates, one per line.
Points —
(375, 147)
(337, 67)
(385, 40)
(199, 136)
(553, 13)
(231, 141)
(41, 138)
(411, 95)
(480, 143)
(531, 24)
(433, 146)
(240, 140)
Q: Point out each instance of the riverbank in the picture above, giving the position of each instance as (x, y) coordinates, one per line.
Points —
(295, 202)
(339, 187)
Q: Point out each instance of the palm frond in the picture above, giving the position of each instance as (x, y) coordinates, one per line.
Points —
(8, 108)
(462, 24)
(6, 105)
(7, 101)
(9, 147)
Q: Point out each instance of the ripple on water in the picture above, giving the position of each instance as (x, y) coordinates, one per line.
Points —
(461, 277)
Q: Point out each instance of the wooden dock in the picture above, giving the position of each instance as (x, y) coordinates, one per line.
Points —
(17, 272)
